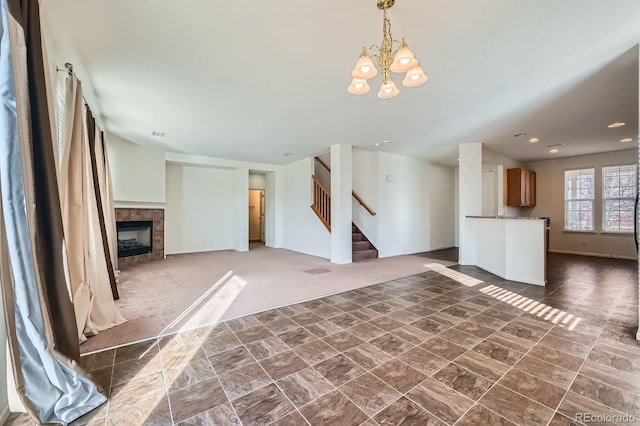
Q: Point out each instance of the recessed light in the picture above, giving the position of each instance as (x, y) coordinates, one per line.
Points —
(554, 151)
(382, 143)
(517, 135)
(614, 125)
(625, 140)
(534, 140)
(158, 134)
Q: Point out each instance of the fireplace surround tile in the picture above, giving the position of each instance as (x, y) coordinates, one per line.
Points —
(157, 216)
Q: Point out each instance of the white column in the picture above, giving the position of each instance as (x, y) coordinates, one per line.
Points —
(341, 204)
(273, 212)
(241, 197)
(469, 198)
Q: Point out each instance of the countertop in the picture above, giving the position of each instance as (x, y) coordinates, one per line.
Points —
(510, 217)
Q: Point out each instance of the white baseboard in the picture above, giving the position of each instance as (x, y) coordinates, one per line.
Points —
(493, 271)
(525, 280)
(581, 253)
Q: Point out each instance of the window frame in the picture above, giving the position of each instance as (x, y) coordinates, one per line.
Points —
(604, 199)
(592, 200)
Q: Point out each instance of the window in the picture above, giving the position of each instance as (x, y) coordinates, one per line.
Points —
(579, 193)
(618, 198)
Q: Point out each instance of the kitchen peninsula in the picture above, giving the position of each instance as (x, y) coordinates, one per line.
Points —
(513, 248)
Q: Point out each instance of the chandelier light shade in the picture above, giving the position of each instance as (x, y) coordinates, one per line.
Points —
(415, 77)
(365, 69)
(402, 60)
(359, 86)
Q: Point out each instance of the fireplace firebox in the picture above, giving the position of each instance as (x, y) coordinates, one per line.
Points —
(134, 238)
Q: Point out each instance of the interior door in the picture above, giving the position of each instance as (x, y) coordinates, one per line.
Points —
(262, 221)
(255, 215)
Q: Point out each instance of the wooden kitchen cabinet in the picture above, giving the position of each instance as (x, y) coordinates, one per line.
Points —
(521, 188)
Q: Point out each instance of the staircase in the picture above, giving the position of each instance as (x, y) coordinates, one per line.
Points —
(361, 248)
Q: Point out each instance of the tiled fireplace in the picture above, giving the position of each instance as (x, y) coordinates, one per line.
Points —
(139, 231)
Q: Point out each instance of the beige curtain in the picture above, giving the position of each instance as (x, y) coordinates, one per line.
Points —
(88, 269)
(106, 191)
(99, 177)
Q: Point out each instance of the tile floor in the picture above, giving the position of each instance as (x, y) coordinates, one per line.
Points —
(458, 346)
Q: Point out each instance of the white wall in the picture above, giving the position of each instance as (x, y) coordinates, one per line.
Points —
(240, 208)
(366, 182)
(257, 181)
(413, 199)
(456, 203)
(469, 198)
(550, 202)
(201, 209)
(173, 220)
(341, 204)
(490, 190)
(441, 206)
(137, 172)
(273, 210)
(226, 206)
(501, 165)
(302, 230)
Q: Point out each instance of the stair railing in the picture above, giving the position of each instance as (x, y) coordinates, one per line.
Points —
(356, 196)
(321, 203)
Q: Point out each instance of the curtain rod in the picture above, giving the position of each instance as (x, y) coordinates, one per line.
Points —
(68, 66)
(69, 69)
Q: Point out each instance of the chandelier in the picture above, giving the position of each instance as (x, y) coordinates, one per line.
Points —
(401, 60)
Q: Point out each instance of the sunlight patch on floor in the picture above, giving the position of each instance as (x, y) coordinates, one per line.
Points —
(211, 306)
(541, 310)
(454, 275)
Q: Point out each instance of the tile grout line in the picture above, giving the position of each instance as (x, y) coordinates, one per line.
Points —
(505, 373)
(366, 370)
(274, 382)
(579, 369)
(477, 402)
(396, 356)
(200, 340)
(113, 364)
(520, 315)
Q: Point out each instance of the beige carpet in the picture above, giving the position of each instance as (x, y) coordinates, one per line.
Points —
(193, 290)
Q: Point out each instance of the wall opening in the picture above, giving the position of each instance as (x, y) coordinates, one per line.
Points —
(257, 209)
(256, 216)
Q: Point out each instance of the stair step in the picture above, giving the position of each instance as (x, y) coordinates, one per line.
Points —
(364, 255)
(360, 246)
(357, 237)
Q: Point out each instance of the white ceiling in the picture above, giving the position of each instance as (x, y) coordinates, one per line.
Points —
(253, 80)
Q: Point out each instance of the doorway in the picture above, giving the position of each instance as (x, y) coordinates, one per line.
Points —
(256, 215)
(489, 193)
